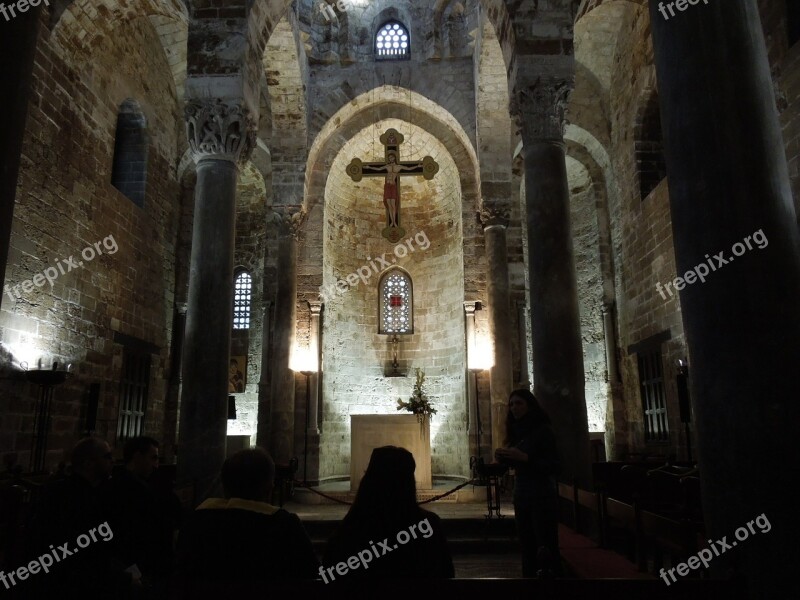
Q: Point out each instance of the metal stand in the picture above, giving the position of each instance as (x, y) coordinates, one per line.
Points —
(41, 421)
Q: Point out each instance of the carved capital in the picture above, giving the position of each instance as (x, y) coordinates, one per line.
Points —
(538, 109)
(291, 219)
(469, 308)
(315, 307)
(494, 214)
(219, 130)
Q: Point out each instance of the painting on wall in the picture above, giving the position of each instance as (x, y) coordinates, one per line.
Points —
(237, 374)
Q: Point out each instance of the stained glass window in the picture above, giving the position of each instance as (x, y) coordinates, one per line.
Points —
(242, 292)
(396, 303)
(392, 41)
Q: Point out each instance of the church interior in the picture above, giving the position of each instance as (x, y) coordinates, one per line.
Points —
(228, 224)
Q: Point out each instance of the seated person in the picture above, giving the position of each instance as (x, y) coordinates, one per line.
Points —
(70, 514)
(242, 537)
(391, 536)
(143, 530)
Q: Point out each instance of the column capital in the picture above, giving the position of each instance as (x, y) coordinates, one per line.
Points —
(291, 219)
(219, 129)
(182, 307)
(316, 308)
(494, 214)
(538, 108)
(470, 307)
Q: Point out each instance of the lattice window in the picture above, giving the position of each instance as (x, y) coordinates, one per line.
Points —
(133, 391)
(392, 41)
(654, 398)
(396, 303)
(129, 170)
(242, 293)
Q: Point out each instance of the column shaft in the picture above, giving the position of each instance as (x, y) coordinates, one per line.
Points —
(264, 387)
(728, 179)
(208, 326)
(283, 379)
(557, 350)
(500, 330)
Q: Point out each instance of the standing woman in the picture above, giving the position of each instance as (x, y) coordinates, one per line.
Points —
(531, 451)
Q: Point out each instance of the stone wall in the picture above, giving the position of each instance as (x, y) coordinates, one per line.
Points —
(66, 203)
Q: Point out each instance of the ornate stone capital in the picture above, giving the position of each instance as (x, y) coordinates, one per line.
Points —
(469, 308)
(291, 219)
(538, 109)
(315, 307)
(219, 130)
(494, 214)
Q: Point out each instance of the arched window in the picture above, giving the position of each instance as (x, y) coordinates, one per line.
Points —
(242, 292)
(649, 147)
(396, 303)
(392, 41)
(129, 170)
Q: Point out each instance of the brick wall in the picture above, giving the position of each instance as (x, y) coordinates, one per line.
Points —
(65, 203)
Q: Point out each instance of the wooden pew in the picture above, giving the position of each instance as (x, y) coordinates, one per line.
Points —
(662, 535)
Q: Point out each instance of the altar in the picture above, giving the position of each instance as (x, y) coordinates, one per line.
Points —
(368, 432)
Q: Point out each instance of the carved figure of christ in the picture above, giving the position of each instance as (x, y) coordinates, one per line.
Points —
(391, 170)
(391, 191)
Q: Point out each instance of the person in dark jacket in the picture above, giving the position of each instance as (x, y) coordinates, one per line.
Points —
(386, 534)
(243, 538)
(71, 519)
(531, 450)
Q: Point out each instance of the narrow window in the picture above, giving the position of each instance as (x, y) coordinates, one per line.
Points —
(793, 21)
(392, 41)
(129, 170)
(654, 404)
(242, 293)
(649, 147)
(133, 391)
(396, 303)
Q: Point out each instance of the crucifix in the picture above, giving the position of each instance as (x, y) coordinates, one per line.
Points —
(391, 170)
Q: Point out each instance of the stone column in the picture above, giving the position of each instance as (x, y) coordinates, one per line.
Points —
(494, 217)
(522, 317)
(264, 388)
(283, 378)
(472, 424)
(732, 211)
(313, 402)
(557, 350)
(220, 135)
(18, 46)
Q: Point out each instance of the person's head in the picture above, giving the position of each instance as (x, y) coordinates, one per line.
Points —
(92, 460)
(249, 474)
(392, 158)
(234, 367)
(524, 407)
(388, 487)
(140, 455)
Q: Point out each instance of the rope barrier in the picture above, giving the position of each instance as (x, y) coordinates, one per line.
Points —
(434, 499)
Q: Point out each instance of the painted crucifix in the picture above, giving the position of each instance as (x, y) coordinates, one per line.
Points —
(391, 170)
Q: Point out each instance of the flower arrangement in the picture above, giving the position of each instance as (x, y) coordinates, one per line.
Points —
(419, 403)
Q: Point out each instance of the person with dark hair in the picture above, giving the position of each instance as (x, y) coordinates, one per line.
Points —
(71, 507)
(531, 451)
(385, 511)
(143, 530)
(242, 537)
